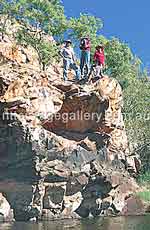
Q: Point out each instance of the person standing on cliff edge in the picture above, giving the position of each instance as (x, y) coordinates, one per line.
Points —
(85, 46)
(99, 58)
(67, 53)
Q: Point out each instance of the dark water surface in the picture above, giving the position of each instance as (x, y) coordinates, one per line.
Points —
(119, 223)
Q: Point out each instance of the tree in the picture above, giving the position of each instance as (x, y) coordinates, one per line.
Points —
(37, 19)
(137, 118)
(118, 59)
(84, 25)
(46, 49)
(8, 12)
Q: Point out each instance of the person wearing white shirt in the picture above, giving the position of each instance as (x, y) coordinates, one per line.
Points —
(67, 53)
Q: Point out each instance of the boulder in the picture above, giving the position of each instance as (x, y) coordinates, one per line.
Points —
(133, 206)
(6, 214)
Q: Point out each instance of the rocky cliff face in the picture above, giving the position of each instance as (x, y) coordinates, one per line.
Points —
(63, 146)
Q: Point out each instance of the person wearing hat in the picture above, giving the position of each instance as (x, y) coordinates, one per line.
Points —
(67, 53)
(85, 46)
(99, 58)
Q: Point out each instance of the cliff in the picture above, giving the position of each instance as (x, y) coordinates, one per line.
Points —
(63, 146)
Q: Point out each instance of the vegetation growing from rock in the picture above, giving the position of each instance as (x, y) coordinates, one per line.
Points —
(145, 195)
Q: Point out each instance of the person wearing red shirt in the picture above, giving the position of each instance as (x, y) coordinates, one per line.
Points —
(99, 58)
(85, 46)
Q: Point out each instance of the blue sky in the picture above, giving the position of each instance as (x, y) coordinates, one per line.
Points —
(128, 20)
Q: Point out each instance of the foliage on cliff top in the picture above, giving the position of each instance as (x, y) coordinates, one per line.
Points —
(39, 17)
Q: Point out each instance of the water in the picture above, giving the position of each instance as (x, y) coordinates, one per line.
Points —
(119, 223)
